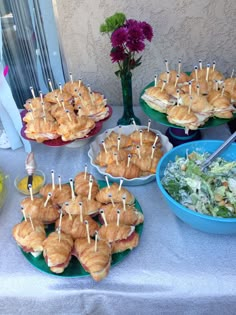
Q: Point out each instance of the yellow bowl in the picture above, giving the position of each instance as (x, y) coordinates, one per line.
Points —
(22, 179)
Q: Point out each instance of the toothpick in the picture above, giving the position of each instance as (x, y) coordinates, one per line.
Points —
(104, 146)
(149, 124)
(85, 170)
(166, 63)
(216, 85)
(80, 81)
(63, 104)
(223, 90)
(177, 79)
(106, 178)
(79, 111)
(134, 123)
(155, 80)
(118, 143)
(196, 73)
(32, 91)
(81, 211)
(207, 71)
(96, 241)
(31, 222)
(60, 87)
(200, 64)
(81, 99)
(232, 74)
(129, 158)
(50, 84)
(59, 181)
(71, 78)
(59, 225)
(153, 150)
(121, 182)
(48, 197)
(90, 189)
(41, 96)
(119, 130)
(31, 106)
(53, 181)
(155, 141)
(110, 197)
(43, 108)
(57, 99)
(179, 66)
(31, 192)
(87, 231)
(124, 202)
(118, 217)
(72, 189)
(198, 89)
(178, 94)
(23, 211)
(141, 136)
(59, 234)
(89, 88)
(190, 104)
(68, 114)
(139, 153)
(91, 97)
(213, 65)
(167, 76)
(190, 87)
(103, 217)
(116, 158)
(163, 85)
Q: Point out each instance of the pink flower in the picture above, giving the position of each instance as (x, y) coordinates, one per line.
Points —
(135, 45)
(147, 30)
(119, 36)
(117, 54)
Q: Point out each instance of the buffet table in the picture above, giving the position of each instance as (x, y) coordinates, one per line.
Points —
(174, 270)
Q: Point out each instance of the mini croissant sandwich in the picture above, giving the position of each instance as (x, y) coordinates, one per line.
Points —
(116, 193)
(54, 96)
(41, 130)
(41, 209)
(124, 169)
(182, 116)
(75, 226)
(80, 203)
(94, 257)
(129, 215)
(30, 235)
(59, 193)
(82, 183)
(57, 250)
(122, 237)
(112, 140)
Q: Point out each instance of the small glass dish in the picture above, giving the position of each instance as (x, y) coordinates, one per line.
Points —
(21, 182)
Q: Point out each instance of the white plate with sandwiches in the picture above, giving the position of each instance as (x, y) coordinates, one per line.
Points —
(129, 153)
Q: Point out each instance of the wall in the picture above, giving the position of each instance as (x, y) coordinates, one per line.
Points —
(186, 29)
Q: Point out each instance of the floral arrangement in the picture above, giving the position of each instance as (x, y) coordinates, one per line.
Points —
(127, 39)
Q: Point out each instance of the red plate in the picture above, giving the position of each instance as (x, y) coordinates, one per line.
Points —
(59, 142)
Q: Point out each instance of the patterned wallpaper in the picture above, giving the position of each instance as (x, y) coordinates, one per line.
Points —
(186, 29)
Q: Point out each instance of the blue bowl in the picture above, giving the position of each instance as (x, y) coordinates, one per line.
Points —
(197, 220)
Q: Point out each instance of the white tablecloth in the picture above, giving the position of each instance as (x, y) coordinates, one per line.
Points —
(174, 270)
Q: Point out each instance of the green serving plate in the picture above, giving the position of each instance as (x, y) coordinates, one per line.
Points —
(162, 119)
(74, 268)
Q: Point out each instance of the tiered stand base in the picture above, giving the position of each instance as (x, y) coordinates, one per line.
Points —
(178, 136)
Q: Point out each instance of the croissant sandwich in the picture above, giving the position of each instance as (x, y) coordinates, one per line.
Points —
(121, 236)
(97, 260)
(73, 225)
(116, 193)
(30, 236)
(57, 250)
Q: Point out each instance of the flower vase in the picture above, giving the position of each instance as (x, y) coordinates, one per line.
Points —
(128, 113)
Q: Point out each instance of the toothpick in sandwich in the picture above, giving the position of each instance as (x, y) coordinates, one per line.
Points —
(48, 198)
(103, 217)
(72, 188)
(31, 191)
(118, 217)
(53, 179)
(32, 91)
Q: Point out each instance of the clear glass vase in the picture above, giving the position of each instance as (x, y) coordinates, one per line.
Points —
(128, 113)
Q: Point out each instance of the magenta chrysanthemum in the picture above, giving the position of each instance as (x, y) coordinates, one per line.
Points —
(119, 36)
(135, 45)
(117, 54)
(147, 30)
